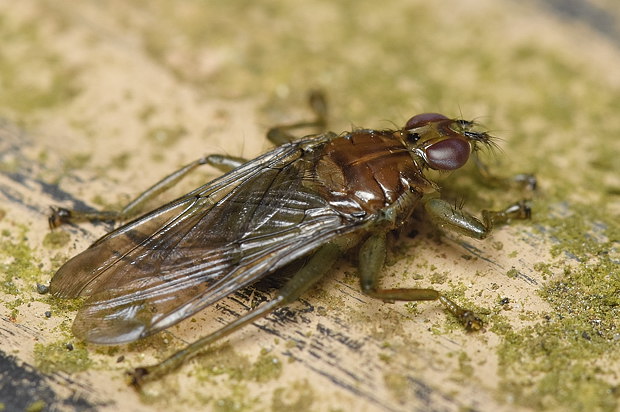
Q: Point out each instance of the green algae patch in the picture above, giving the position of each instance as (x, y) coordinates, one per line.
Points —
(548, 366)
(47, 81)
(267, 367)
(466, 368)
(583, 231)
(224, 360)
(235, 374)
(61, 357)
(56, 239)
(512, 273)
(36, 406)
(299, 396)
(568, 360)
(121, 161)
(238, 402)
(58, 305)
(18, 263)
(77, 161)
(398, 385)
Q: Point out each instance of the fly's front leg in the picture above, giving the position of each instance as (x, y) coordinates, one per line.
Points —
(521, 181)
(318, 103)
(224, 163)
(318, 264)
(371, 260)
(448, 216)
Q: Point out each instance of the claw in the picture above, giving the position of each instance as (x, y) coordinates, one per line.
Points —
(136, 377)
(467, 317)
(59, 216)
(519, 210)
(526, 181)
(471, 322)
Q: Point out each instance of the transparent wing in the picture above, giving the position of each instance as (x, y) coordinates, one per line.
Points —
(184, 256)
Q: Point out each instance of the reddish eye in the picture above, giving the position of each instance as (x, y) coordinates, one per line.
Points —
(448, 154)
(421, 119)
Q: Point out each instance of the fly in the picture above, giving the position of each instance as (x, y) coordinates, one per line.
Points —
(307, 200)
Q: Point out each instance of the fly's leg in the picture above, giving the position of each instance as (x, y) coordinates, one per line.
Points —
(371, 260)
(277, 135)
(447, 216)
(282, 134)
(61, 216)
(320, 262)
(521, 181)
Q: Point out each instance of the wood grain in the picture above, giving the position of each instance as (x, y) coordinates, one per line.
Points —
(99, 101)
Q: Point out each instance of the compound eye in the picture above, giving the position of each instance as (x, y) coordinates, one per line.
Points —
(448, 154)
(421, 119)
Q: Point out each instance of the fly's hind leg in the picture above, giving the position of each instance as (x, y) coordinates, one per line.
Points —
(371, 260)
(277, 135)
(61, 216)
(318, 103)
(316, 266)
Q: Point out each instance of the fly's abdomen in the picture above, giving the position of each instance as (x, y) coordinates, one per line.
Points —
(364, 171)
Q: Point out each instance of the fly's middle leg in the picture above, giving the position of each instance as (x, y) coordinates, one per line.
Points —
(223, 163)
(371, 260)
(279, 135)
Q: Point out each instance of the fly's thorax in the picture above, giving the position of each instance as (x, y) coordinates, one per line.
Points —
(366, 170)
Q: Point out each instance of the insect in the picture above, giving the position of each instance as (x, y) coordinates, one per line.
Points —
(307, 200)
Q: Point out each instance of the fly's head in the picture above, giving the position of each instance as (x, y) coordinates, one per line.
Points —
(441, 143)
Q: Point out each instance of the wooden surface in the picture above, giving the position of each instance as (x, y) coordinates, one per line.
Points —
(98, 101)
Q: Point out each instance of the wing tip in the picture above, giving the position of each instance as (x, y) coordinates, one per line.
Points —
(91, 326)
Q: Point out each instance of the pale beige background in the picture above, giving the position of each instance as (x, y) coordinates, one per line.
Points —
(99, 100)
